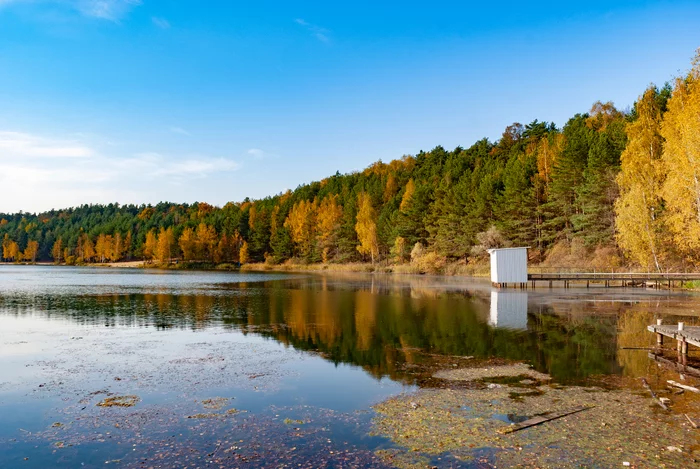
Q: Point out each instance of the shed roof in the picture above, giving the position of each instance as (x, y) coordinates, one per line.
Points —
(506, 249)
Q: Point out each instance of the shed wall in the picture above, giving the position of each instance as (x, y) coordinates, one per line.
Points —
(509, 266)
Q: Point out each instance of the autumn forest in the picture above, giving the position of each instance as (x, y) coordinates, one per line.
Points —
(611, 187)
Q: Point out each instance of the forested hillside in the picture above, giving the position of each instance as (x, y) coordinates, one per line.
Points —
(609, 185)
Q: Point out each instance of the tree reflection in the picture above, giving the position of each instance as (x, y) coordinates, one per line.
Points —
(379, 325)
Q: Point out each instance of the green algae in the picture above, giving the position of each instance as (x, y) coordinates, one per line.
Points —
(119, 401)
(518, 372)
(216, 403)
(622, 427)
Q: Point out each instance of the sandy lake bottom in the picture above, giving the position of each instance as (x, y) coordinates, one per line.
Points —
(149, 369)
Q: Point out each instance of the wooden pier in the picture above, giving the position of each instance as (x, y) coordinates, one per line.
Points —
(683, 334)
(612, 279)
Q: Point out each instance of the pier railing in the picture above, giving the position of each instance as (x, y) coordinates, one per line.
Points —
(549, 273)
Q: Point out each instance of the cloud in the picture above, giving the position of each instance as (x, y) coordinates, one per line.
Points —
(38, 173)
(110, 10)
(256, 153)
(23, 145)
(322, 34)
(180, 130)
(157, 165)
(162, 23)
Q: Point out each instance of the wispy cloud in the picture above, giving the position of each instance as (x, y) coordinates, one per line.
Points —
(257, 153)
(322, 34)
(22, 145)
(156, 164)
(162, 23)
(110, 10)
(180, 130)
(39, 173)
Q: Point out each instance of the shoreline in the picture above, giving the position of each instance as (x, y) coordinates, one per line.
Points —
(455, 270)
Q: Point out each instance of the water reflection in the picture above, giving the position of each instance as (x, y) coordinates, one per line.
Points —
(508, 309)
(378, 323)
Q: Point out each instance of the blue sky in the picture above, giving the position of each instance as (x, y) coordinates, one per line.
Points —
(137, 101)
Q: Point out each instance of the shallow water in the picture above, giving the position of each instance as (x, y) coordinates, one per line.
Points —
(297, 360)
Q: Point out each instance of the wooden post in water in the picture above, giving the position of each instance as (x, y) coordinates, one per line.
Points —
(682, 344)
(659, 336)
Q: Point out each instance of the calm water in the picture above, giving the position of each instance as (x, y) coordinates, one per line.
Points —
(271, 369)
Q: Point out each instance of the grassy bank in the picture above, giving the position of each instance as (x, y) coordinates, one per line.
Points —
(450, 269)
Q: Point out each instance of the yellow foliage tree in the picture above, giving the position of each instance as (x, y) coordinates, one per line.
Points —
(166, 242)
(399, 251)
(69, 259)
(150, 246)
(366, 227)
(243, 255)
(127, 245)
(407, 195)
(207, 241)
(30, 251)
(57, 251)
(188, 244)
(87, 249)
(638, 209)
(117, 249)
(301, 225)
(328, 218)
(548, 151)
(6, 246)
(13, 253)
(681, 157)
(391, 187)
(103, 247)
(228, 248)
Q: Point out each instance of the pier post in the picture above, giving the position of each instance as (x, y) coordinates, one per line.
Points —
(659, 336)
(681, 341)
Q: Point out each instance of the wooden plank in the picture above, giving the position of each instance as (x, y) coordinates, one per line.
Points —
(542, 419)
(692, 422)
(653, 394)
(691, 334)
(683, 386)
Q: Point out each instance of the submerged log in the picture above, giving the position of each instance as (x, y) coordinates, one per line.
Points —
(653, 394)
(542, 419)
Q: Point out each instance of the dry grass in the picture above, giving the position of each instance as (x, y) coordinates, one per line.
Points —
(429, 264)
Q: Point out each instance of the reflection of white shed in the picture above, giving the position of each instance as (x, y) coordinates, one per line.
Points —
(508, 309)
(508, 265)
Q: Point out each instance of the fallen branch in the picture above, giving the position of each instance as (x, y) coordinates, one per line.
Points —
(692, 422)
(683, 386)
(653, 394)
(542, 419)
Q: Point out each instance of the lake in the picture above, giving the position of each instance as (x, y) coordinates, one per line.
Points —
(149, 368)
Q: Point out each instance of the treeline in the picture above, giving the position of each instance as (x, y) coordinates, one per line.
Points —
(609, 182)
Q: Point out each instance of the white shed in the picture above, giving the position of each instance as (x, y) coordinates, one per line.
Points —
(508, 265)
